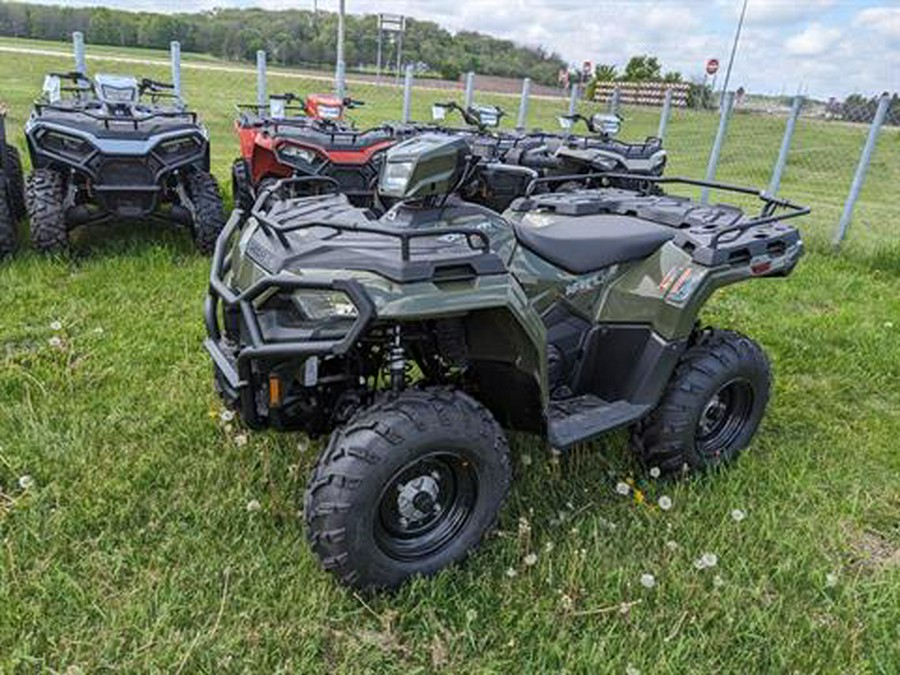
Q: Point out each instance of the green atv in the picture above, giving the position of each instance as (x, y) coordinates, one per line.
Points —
(416, 338)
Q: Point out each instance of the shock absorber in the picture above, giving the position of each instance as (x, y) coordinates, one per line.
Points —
(397, 361)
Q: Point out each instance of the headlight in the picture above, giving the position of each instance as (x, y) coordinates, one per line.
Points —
(296, 152)
(318, 305)
(329, 112)
(394, 178)
(175, 147)
(65, 144)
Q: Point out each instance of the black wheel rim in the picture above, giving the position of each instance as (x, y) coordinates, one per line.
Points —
(425, 505)
(724, 417)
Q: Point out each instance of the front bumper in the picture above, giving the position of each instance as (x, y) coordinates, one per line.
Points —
(240, 351)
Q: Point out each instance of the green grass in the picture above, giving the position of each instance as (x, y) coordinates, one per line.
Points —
(134, 551)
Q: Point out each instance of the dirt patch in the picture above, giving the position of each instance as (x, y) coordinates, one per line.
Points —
(871, 550)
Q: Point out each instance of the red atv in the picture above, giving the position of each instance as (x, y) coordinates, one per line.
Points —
(308, 139)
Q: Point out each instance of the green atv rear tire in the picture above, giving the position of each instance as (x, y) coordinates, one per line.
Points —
(711, 408)
(407, 487)
(45, 193)
(209, 213)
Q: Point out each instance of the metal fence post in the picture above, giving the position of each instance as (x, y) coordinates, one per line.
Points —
(778, 171)
(573, 99)
(860, 177)
(665, 114)
(470, 88)
(261, 95)
(522, 120)
(175, 51)
(614, 101)
(724, 116)
(78, 47)
(407, 94)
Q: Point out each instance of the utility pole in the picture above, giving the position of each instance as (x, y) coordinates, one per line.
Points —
(737, 37)
(340, 66)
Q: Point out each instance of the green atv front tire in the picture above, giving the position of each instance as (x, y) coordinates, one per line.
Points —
(45, 193)
(711, 408)
(406, 487)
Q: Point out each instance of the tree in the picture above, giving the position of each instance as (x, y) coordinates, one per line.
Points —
(642, 69)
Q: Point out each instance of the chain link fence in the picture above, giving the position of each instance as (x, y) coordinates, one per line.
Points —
(822, 159)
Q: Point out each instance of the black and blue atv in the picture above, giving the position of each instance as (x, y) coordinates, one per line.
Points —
(12, 198)
(117, 148)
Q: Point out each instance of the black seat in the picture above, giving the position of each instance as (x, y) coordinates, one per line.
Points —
(581, 244)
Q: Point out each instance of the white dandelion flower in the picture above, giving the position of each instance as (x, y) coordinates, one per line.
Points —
(665, 503)
(672, 545)
(26, 482)
(240, 440)
(55, 341)
(655, 472)
(648, 580)
(471, 615)
(706, 561)
(718, 581)
(56, 325)
(624, 607)
(623, 488)
(526, 460)
(226, 415)
(511, 572)
(253, 506)
(737, 515)
(831, 580)
(530, 560)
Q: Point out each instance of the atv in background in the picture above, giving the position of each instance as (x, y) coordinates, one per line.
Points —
(12, 194)
(117, 148)
(287, 141)
(600, 152)
(416, 338)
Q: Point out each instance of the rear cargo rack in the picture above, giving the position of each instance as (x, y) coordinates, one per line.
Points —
(712, 234)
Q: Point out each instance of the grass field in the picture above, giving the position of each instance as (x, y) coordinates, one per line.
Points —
(132, 541)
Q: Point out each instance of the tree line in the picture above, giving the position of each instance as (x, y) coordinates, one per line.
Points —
(290, 37)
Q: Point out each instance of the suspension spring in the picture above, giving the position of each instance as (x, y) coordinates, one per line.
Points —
(397, 361)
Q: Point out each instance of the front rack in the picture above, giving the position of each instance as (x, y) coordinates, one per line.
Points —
(476, 239)
(41, 107)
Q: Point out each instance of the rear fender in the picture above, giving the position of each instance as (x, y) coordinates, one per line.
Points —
(668, 290)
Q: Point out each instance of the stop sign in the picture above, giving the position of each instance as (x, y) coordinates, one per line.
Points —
(712, 66)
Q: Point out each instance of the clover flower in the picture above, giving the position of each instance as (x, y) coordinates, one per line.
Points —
(655, 472)
(737, 515)
(665, 503)
(56, 325)
(26, 482)
(253, 506)
(648, 580)
(530, 560)
(623, 488)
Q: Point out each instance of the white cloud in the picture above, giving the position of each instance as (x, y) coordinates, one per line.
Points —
(780, 12)
(882, 20)
(814, 40)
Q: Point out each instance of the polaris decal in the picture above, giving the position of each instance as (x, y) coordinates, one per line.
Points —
(588, 283)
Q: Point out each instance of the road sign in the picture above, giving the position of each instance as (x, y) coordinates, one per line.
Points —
(712, 66)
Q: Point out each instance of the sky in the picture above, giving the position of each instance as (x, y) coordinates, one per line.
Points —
(822, 47)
